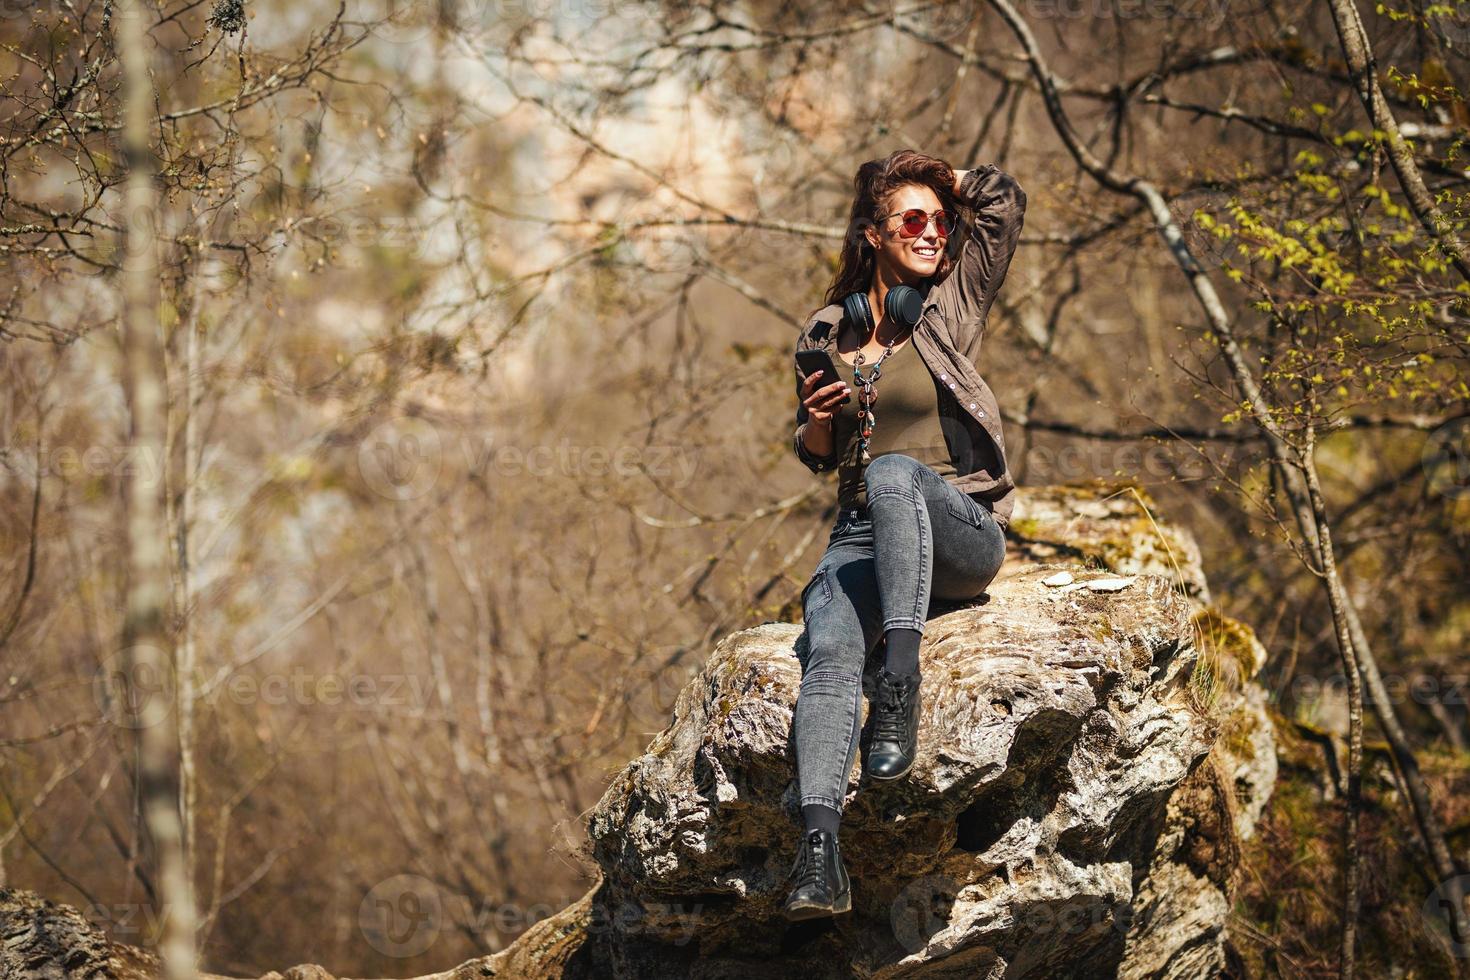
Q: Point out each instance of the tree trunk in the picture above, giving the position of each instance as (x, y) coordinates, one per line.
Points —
(1347, 955)
(146, 634)
(1359, 55)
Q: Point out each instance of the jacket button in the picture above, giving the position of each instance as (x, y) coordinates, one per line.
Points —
(951, 384)
(943, 375)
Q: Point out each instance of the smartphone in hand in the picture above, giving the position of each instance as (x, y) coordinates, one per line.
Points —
(816, 359)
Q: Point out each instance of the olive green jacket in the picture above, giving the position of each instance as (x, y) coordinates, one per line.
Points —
(948, 337)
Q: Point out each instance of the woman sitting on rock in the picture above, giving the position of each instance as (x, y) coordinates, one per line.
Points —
(923, 496)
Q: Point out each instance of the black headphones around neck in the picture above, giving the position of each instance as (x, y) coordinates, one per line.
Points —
(902, 304)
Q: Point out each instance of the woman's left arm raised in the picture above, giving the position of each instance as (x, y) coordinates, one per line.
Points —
(965, 295)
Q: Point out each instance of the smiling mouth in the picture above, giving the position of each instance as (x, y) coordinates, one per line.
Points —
(927, 253)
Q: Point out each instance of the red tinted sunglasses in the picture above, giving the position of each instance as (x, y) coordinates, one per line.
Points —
(915, 220)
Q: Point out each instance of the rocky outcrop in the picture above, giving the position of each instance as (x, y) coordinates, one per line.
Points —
(1092, 751)
(41, 940)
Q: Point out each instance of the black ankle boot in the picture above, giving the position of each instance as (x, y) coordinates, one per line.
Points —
(822, 886)
(895, 726)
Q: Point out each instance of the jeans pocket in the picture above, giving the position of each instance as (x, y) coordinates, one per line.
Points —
(968, 509)
(811, 600)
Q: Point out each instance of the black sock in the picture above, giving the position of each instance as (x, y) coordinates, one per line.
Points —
(902, 653)
(820, 816)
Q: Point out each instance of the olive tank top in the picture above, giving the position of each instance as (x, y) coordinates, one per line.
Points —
(908, 421)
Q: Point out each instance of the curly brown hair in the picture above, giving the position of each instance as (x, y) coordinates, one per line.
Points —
(872, 185)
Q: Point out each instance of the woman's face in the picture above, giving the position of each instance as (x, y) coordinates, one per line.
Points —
(907, 260)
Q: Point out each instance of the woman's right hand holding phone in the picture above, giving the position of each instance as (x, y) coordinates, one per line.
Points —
(823, 399)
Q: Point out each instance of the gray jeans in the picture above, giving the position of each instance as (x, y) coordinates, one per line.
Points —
(919, 539)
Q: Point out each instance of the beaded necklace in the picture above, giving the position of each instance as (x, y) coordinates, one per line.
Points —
(867, 418)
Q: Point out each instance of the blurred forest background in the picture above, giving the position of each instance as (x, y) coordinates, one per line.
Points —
(477, 334)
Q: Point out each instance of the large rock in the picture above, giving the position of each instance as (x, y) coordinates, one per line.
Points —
(1090, 759)
(1091, 754)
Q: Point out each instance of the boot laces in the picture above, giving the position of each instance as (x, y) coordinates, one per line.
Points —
(812, 870)
(893, 702)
